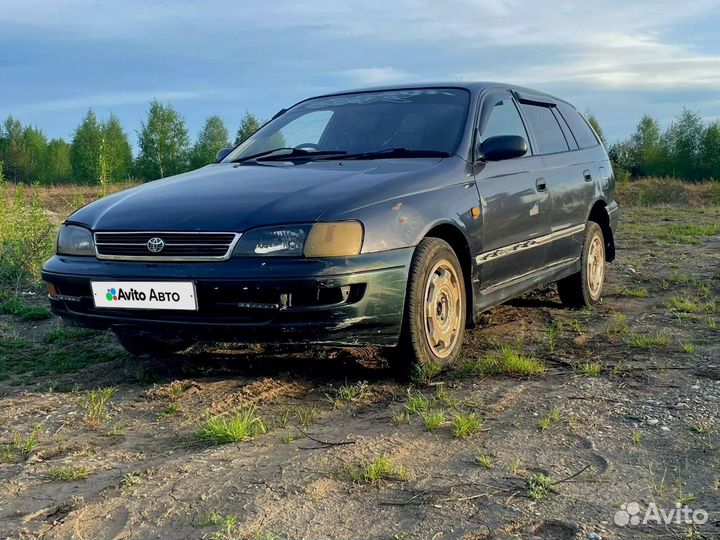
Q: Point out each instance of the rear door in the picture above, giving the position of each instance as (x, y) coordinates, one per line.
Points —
(565, 171)
(514, 200)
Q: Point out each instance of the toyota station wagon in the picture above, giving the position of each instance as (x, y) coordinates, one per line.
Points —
(389, 217)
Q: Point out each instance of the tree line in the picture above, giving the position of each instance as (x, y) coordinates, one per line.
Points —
(688, 149)
(100, 150)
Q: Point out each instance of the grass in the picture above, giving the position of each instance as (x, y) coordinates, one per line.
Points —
(376, 471)
(304, 416)
(504, 360)
(618, 326)
(636, 438)
(349, 393)
(688, 348)
(68, 473)
(25, 362)
(242, 426)
(131, 479)
(424, 373)
(20, 446)
(647, 341)
(633, 291)
(551, 417)
(434, 420)
(169, 410)
(465, 424)
(538, 486)
(416, 402)
(63, 336)
(227, 524)
(553, 332)
(15, 306)
(485, 460)
(514, 466)
(685, 304)
(701, 428)
(590, 369)
(445, 398)
(95, 403)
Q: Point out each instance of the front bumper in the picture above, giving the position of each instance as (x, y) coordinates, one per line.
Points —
(250, 300)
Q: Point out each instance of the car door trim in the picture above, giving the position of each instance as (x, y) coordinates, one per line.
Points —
(527, 244)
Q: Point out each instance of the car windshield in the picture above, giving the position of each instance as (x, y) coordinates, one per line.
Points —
(414, 121)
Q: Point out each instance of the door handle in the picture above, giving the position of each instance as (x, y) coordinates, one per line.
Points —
(587, 175)
(540, 184)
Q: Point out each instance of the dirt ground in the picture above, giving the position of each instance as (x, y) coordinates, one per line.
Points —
(626, 412)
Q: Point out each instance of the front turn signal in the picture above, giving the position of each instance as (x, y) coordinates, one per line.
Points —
(339, 239)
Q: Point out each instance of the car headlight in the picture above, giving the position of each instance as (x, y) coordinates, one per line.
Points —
(339, 239)
(285, 241)
(74, 240)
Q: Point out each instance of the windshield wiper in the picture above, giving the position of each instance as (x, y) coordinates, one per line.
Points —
(291, 153)
(393, 153)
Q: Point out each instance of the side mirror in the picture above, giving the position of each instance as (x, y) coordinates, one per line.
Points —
(222, 154)
(503, 147)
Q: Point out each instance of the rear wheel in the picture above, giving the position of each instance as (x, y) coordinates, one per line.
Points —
(435, 312)
(584, 288)
(139, 344)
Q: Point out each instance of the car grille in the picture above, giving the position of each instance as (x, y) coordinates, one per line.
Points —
(168, 246)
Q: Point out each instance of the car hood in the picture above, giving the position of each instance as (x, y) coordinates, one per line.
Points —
(227, 197)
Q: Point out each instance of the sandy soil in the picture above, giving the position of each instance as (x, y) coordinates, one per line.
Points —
(644, 430)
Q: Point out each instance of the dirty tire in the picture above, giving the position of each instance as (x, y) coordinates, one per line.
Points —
(584, 288)
(435, 310)
(139, 345)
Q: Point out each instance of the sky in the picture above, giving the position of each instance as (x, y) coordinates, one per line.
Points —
(619, 59)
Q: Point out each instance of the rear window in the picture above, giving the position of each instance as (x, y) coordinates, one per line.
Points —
(583, 132)
(548, 135)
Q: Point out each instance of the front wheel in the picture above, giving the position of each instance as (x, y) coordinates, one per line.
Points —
(584, 288)
(139, 344)
(435, 311)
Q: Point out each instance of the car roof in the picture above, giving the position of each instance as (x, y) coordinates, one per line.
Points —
(473, 86)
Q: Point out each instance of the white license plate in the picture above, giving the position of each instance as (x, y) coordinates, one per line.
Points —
(145, 295)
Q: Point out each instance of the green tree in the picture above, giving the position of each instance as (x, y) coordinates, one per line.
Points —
(680, 145)
(58, 168)
(33, 156)
(709, 153)
(11, 148)
(646, 151)
(163, 142)
(248, 125)
(85, 150)
(117, 157)
(213, 137)
(595, 123)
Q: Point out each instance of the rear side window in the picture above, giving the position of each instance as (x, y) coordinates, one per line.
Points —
(583, 133)
(550, 138)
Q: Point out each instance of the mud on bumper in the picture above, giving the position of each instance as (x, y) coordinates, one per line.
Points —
(354, 301)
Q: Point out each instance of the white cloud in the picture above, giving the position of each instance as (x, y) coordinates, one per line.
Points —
(113, 99)
(374, 76)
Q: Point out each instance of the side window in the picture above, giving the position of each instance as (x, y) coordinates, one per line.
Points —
(548, 135)
(583, 133)
(504, 120)
(565, 129)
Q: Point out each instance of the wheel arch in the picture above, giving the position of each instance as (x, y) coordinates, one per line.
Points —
(452, 234)
(598, 214)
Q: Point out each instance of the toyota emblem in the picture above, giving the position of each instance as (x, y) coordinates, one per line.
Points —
(156, 244)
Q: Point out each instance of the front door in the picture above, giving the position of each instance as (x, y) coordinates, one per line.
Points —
(514, 201)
